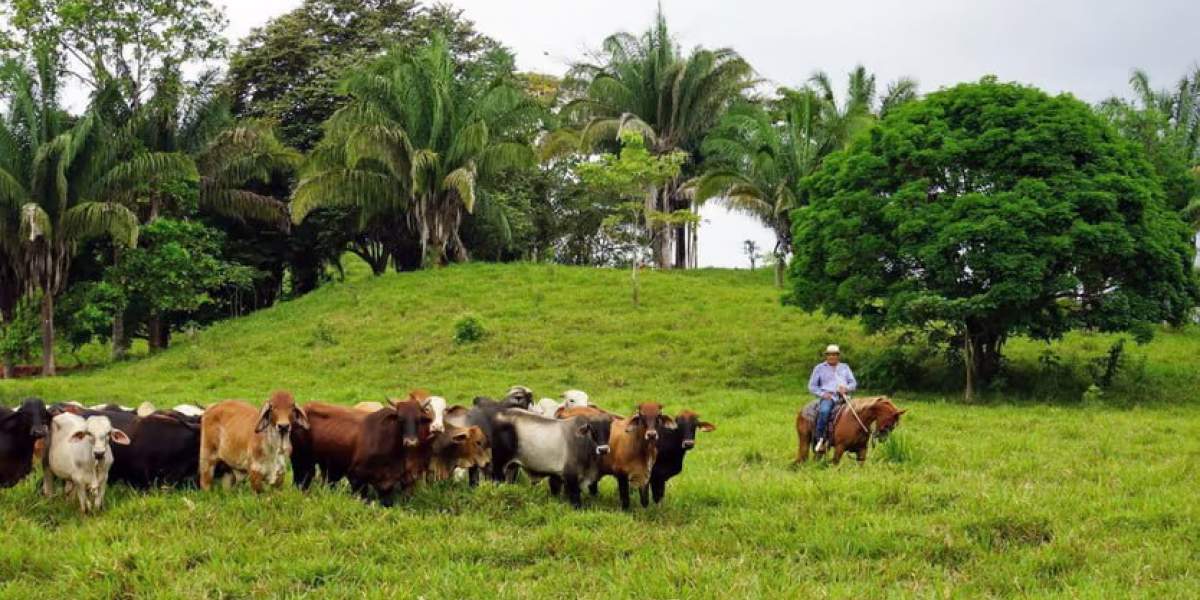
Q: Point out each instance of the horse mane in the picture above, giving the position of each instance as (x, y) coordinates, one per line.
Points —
(861, 404)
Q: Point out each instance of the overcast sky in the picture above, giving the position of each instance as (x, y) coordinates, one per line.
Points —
(1086, 47)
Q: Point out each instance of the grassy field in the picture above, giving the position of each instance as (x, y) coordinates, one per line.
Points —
(1017, 495)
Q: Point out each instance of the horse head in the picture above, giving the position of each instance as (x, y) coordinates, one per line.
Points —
(886, 415)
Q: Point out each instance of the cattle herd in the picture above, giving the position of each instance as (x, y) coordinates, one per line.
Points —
(379, 448)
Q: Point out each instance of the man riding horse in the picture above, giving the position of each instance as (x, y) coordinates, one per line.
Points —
(831, 382)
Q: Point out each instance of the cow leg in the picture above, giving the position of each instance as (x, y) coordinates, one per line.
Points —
(207, 467)
(473, 476)
(644, 495)
(387, 498)
(658, 487)
(303, 471)
(623, 488)
(556, 484)
(573, 491)
(594, 488)
(81, 497)
(360, 488)
(256, 480)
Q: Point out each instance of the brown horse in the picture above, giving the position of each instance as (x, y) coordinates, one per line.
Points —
(848, 434)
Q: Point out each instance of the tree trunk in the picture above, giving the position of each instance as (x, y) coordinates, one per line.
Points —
(120, 345)
(982, 355)
(636, 299)
(154, 337)
(6, 370)
(48, 369)
(681, 246)
(780, 269)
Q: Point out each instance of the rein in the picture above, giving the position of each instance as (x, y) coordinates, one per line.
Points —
(866, 430)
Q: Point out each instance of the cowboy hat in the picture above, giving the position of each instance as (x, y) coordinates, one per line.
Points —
(832, 349)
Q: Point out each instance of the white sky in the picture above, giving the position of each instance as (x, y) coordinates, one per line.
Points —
(1087, 47)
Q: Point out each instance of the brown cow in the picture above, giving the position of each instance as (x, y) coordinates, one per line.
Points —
(249, 440)
(368, 407)
(329, 443)
(633, 447)
(393, 450)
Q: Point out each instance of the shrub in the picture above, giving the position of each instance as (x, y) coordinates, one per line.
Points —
(469, 329)
(893, 368)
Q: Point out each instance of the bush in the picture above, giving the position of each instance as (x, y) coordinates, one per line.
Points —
(20, 336)
(468, 329)
(893, 368)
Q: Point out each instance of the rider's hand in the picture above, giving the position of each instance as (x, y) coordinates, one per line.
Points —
(827, 395)
(842, 390)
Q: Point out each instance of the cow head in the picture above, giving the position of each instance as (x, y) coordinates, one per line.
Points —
(648, 419)
(471, 447)
(99, 432)
(597, 430)
(414, 421)
(688, 423)
(33, 414)
(518, 396)
(281, 412)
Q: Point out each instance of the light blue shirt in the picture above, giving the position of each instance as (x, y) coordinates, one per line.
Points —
(826, 378)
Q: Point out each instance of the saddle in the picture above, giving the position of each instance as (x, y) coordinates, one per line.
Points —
(810, 412)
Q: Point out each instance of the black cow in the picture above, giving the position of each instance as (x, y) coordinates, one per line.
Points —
(164, 447)
(19, 430)
(673, 445)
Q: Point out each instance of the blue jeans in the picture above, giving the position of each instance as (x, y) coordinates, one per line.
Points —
(824, 409)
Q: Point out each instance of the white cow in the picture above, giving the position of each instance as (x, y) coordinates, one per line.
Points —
(189, 410)
(81, 455)
(570, 399)
(436, 405)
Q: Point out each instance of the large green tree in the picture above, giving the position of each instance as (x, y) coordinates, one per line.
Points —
(410, 148)
(647, 84)
(290, 70)
(116, 43)
(992, 210)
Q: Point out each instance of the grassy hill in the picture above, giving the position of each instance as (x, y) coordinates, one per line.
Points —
(1014, 496)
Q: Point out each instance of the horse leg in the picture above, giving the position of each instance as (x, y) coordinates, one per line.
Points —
(838, 451)
(803, 440)
(861, 454)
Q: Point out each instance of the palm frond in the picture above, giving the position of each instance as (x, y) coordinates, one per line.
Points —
(89, 220)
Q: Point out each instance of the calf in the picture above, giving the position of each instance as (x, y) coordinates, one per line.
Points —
(80, 454)
(567, 451)
(673, 445)
(499, 435)
(458, 448)
(20, 431)
(392, 451)
(249, 440)
(328, 442)
(634, 448)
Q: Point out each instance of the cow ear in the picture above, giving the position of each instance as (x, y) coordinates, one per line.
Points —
(583, 429)
(460, 436)
(264, 419)
(669, 423)
(706, 426)
(299, 417)
(78, 436)
(632, 426)
(117, 436)
(901, 412)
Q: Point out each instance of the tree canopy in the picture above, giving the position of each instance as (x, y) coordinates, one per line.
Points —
(992, 209)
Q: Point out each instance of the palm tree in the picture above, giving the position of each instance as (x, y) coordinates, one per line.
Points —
(61, 184)
(758, 154)
(646, 84)
(194, 125)
(410, 148)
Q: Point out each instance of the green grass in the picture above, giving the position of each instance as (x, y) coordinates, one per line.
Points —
(1014, 496)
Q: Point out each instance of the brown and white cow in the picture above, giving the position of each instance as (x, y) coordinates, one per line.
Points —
(248, 440)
